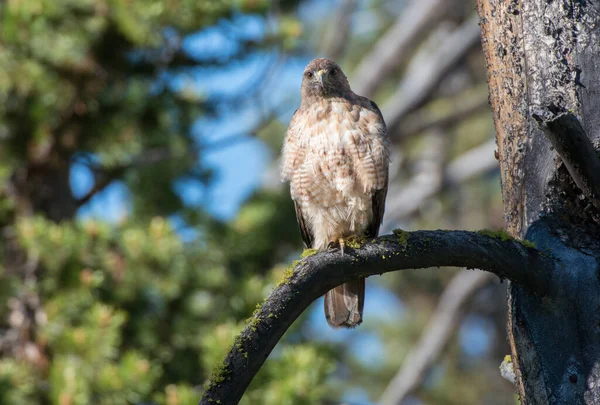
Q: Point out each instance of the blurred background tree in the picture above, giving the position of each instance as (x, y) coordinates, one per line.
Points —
(142, 217)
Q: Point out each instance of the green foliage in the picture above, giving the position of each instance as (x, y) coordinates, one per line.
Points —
(303, 386)
(131, 312)
(178, 395)
(14, 374)
(125, 313)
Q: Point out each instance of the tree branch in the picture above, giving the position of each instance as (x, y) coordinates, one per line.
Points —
(104, 176)
(408, 198)
(313, 276)
(425, 73)
(102, 181)
(568, 137)
(336, 38)
(435, 337)
(405, 198)
(421, 121)
(392, 48)
(472, 163)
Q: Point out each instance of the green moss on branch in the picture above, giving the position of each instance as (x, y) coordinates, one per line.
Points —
(308, 252)
(505, 236)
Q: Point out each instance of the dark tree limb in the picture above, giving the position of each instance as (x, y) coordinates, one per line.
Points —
(104, 176)
(99, 185)
(311, 277)
(563, 130)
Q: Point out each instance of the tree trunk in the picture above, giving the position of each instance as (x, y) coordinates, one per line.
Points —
(542, 55)
(44, 189)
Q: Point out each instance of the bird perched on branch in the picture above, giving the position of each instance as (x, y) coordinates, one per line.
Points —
(336, 158)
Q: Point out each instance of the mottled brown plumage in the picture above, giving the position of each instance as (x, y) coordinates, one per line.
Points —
(336, 158)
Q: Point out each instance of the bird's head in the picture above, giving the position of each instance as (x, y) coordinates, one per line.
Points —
(324, 78)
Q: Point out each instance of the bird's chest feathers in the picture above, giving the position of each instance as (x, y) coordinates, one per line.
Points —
(336, 140)
(335, 127)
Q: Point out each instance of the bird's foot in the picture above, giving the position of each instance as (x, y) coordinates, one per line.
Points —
(338, 244)
(351, 241)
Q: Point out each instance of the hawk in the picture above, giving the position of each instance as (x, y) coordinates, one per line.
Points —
(336, 158)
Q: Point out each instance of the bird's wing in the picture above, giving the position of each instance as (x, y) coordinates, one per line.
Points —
(373, 163)
(378, 206)
(293, 157)
(367, 146)
(293, 153)
(305, 232)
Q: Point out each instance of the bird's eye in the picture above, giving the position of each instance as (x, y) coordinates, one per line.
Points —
(333, 72)
(308, 74)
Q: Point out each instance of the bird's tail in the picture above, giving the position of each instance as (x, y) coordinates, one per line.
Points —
(344, 304)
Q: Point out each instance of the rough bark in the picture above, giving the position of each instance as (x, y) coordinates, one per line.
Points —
(543, 55)
(575, 149)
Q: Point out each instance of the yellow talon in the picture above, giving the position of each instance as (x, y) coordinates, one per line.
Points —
(342, 245)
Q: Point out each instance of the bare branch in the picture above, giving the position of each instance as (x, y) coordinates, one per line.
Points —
(574, 147)
(104, 176)
(435, 337)
(408, 30)
(315, 275)
(421, 121)
(336, 39)
(472, 163)
(102, 181)
(423, 77)
(405, 200)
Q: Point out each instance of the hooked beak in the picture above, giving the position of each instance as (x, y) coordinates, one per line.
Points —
(319, 77)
